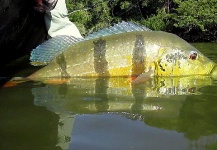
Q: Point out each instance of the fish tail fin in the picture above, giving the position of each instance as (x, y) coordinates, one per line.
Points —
(45, 52)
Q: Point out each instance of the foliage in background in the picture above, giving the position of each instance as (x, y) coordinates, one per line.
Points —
(193, 20)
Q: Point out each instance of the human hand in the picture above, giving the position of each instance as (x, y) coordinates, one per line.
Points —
(45, 5)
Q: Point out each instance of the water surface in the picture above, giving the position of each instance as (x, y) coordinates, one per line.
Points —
(108, 114)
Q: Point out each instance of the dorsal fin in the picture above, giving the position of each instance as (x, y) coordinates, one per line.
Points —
(45, 52)
(116, 29)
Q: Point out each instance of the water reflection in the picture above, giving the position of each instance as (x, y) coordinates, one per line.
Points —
(90, 95)
(182, 104)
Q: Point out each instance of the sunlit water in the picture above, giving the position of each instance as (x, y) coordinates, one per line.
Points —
(112, 114)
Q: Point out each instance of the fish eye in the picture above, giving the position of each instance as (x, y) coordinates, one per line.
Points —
(193, 55)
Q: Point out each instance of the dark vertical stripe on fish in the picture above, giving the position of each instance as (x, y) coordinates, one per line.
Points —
(60, 60)
(138, 56)
(100, 62)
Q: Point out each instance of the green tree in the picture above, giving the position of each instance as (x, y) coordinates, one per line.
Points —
(193, 20)
(200, 14)
(89, 15)
(198, 17)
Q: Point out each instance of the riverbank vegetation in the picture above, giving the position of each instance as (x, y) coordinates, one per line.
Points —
(193, 20)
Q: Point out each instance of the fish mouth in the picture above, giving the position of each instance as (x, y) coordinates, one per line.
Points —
(214, 72)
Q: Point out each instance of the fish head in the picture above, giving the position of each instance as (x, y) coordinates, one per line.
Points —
(183, 62)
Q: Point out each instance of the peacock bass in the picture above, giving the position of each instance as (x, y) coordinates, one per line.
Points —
(125, 49)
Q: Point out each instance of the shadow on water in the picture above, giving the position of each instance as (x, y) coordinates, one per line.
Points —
(110, 113)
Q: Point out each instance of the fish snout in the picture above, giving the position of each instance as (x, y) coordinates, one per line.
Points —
(214, 72)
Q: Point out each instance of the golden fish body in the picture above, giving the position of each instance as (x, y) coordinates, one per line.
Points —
(128, 54)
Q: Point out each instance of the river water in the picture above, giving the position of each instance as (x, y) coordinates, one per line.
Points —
(111, 114)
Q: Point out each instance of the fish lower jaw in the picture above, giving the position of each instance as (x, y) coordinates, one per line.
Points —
(214, 72)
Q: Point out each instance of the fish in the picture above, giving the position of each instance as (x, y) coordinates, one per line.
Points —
(124, 49)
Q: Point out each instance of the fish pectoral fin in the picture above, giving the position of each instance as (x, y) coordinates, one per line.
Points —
(143, 77)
